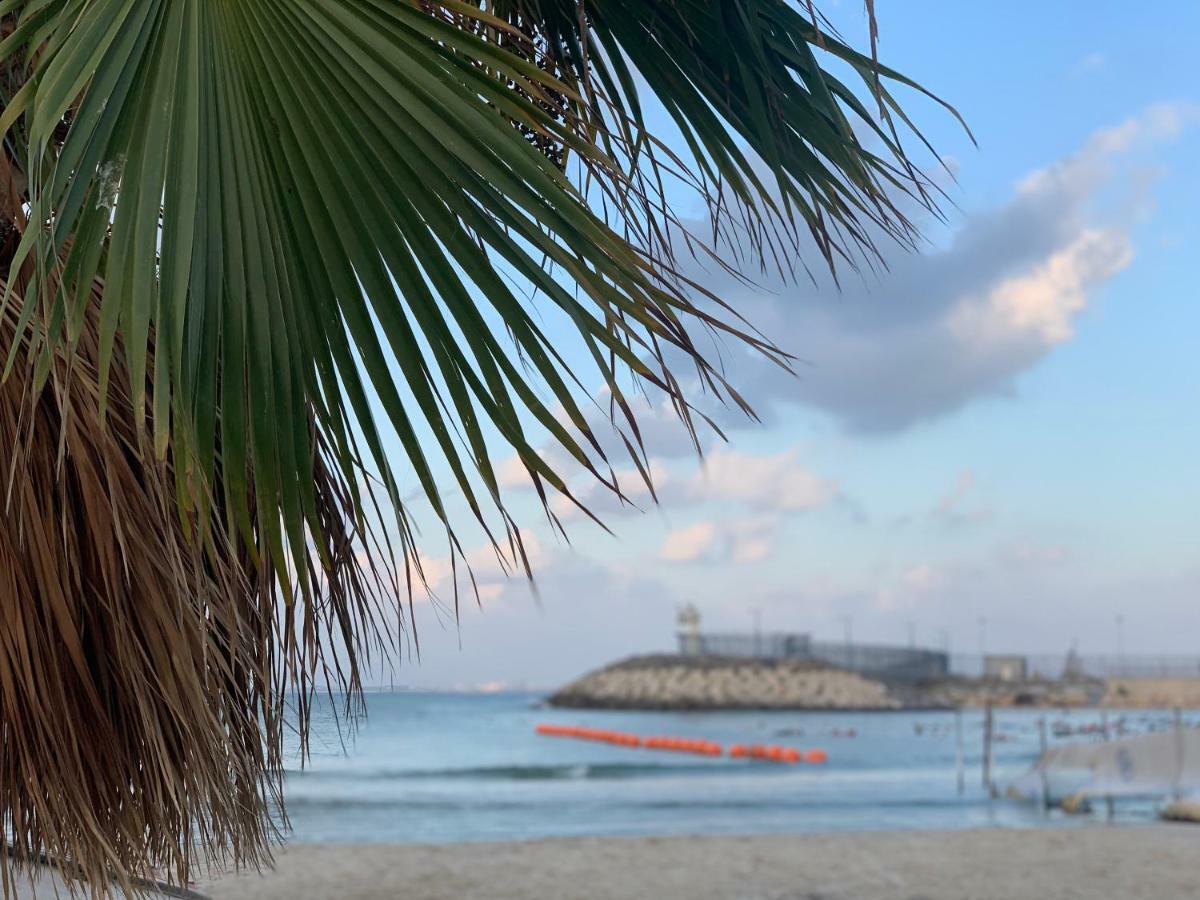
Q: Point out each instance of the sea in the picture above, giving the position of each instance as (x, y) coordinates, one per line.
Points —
(444, 767)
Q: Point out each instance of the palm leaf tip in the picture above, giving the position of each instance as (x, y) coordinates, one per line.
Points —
(261, 258)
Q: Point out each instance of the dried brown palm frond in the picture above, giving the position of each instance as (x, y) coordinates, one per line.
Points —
(141, 666)
(124, 710)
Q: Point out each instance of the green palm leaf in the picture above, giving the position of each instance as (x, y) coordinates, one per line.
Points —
(276, 232)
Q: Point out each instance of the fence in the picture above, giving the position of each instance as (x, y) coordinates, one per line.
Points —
(891, 663)
(913, 664)
(1051, 666)
(908, 664)
(772, 645)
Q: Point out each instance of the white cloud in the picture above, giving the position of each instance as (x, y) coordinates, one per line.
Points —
(690, 543)
(1028, 553)
(773, 482)
(943, 329)
(491, 570)
(742, 541)
(1040, 305)
(1093, 62)
(778, 482)
(923, 577)
(958, 505)
(511, 473)
(604, 503)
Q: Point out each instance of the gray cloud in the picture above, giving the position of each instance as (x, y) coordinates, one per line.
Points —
(947, 327)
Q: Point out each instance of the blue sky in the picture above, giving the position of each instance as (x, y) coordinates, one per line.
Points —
(1004, 427)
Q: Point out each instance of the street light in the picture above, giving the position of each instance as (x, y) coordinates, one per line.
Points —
(1120, 643)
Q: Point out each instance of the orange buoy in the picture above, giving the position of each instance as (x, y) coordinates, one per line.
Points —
(774, 753)
(738, 751)
(790, 755)
(758, 751)
(816, 756)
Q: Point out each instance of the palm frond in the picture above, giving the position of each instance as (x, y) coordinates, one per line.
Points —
(250, 246)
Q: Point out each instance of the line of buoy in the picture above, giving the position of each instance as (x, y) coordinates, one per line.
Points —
(684, 745)
(767, 752)
(620, 738)
(775, 753)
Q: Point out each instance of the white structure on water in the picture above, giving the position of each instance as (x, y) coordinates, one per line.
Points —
(688, 620)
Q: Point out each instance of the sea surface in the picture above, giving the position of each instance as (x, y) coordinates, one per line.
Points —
(468, 767)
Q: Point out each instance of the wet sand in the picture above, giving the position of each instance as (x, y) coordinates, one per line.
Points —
(1136, 863)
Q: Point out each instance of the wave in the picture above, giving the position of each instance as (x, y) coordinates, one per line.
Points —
(709, 804)
(580, 771)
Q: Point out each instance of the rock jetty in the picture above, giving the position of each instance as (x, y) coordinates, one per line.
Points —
(672, 682)
(668, 682)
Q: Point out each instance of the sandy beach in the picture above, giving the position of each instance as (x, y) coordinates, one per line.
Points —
(1136, 863)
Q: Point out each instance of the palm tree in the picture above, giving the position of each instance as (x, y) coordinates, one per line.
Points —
(250, 245)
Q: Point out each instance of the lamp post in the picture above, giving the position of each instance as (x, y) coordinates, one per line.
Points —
(1120, 644)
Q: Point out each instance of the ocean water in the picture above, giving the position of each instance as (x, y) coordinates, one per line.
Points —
(467, 767)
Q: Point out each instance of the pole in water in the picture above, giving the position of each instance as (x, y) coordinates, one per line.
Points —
(958, 750)
(1042, 763)
(987, 748)
(1179, 754)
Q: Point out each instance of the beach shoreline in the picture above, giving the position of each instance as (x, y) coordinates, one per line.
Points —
(1134, 862)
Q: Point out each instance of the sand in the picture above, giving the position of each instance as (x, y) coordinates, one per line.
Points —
(1095, 862)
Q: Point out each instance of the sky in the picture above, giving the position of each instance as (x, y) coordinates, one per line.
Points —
(991, 446)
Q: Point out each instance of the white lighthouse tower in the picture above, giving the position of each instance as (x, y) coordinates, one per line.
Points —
(688, 620)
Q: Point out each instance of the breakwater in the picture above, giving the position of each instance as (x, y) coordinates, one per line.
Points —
(667, 682)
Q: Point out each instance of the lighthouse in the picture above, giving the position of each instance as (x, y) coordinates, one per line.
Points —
(688, 621)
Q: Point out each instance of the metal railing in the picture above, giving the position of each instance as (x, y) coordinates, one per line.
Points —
(771, 645)
(909, 664)
(912, 664)
(1059, 666)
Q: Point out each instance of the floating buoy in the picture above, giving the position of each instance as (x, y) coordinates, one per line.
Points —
(815, 756)
(625, 739)
(739, 751)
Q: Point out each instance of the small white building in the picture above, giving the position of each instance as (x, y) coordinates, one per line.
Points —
(1005, 667)
(688, 631)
